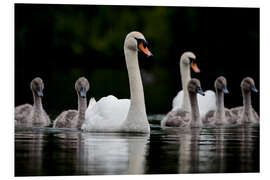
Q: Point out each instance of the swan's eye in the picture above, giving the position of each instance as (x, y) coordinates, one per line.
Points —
(142, 46)
(142, 41)
(192, 59)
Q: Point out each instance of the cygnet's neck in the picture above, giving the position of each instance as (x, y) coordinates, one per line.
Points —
(185, 77)
(37, 103)
(82, 106)
(195, 114)
(220, 112)
(37, 109)
(247, 101)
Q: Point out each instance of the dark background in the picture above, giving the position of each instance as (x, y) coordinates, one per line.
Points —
(60, 43)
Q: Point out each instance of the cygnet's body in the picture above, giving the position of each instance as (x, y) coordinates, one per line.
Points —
(246, 114)
(33, 115)
(75, 118)
(183, 118)
(221, 115)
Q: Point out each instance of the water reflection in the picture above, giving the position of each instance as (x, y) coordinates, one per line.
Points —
(188, 151)
(112, 153)
(76, 153)
(28, 154)
(49, 151)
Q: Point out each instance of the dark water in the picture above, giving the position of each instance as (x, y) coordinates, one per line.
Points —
(49, 151)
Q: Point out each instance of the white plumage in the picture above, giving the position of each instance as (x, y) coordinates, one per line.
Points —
(107, 115)
(110, 114)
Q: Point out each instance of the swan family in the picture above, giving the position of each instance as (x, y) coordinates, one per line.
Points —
(192, 107)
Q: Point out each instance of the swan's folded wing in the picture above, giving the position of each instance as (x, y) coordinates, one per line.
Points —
(106, 115)
(178, 100)
(207, 102)
(92, 102)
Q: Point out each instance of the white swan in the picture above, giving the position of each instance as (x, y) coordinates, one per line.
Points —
(33, 115)
(222, 115)
(182, 118)
(75, 118)
(246, 114)
(110, 114)
(207, 102)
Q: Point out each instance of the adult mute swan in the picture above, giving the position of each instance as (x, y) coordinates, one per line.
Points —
(221, 115)
(110, 114)
(33, 115)
(182, 118)
(245, 113)
(75, 118)
(207, 102)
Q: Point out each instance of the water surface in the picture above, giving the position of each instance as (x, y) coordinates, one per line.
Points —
(49, 151)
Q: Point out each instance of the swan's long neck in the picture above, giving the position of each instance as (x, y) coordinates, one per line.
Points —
(195, 113)
(137, 112)
(82, 106)
(185, 77)
(220, 112)
(135, 81)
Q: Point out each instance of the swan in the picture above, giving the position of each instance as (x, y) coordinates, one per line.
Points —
(245, 113)
(110, 114)
(207, 102)
(33, 115)
(221, 115)
(75, 118)
(183, 118)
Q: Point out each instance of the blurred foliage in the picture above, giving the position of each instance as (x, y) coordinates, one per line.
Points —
(60, 43)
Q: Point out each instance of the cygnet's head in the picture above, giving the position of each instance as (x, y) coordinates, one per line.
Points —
(37, 86)
(135, 41)
(189, 59)
(221, 85)
(248, 84)
(194, 86)
(82, 86)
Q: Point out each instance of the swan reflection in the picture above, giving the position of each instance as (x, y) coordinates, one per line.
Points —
(109, 153)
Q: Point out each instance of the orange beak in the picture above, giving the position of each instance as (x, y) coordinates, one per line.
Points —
(194, 67)
(145, 50)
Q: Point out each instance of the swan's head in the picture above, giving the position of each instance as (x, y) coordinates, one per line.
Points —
(189, 59)
(221, 84)
(82, 86)
(135, 41)
(194, 86)
(248, 85)
(37, 86)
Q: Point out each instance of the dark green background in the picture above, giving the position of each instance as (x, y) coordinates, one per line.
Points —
(60, 43)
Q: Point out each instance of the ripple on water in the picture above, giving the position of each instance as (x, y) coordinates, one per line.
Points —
(50, 151)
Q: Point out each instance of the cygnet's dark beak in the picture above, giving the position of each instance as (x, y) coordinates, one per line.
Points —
(200, 91)
(40, 92)
(83, 92)
(225, 90)
(254, 89)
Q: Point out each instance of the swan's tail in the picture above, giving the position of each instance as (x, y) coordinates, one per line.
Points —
(92, 102)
